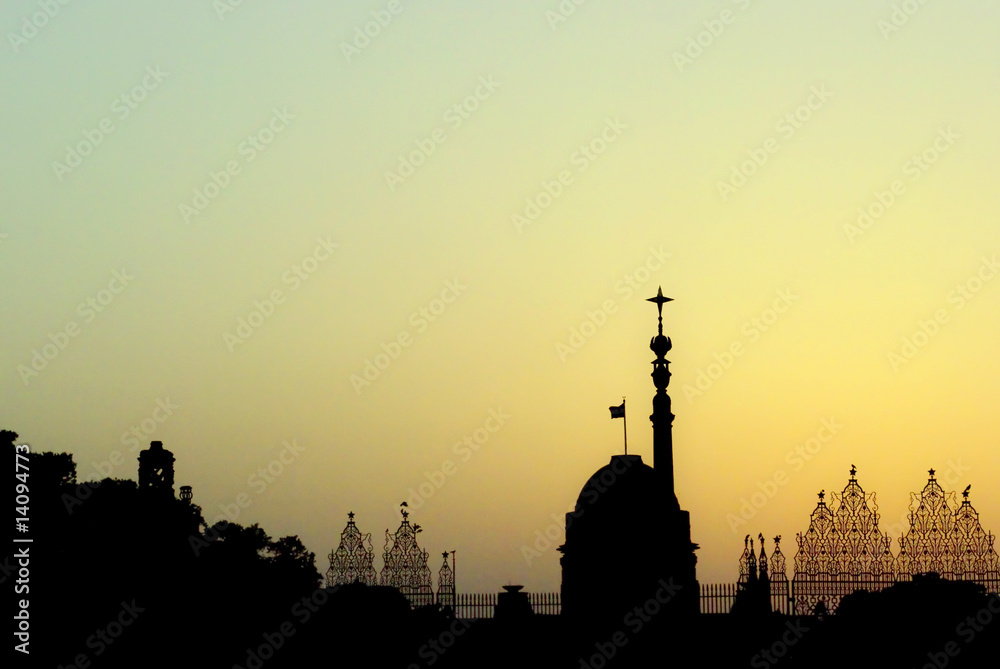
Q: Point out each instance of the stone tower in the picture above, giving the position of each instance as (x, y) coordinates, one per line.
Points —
(156, 469)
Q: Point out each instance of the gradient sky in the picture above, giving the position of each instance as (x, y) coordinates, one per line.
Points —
(642, 141)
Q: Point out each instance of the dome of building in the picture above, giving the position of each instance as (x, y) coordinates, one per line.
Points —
(613, 553)
(623, 485)
(627, 539)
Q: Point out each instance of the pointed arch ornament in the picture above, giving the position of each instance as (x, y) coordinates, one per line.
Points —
(947, 538)
(844, 550)
(353, 560)
(446, 584)
(404, 564)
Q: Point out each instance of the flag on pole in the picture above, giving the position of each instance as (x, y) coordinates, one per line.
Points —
(618, 411)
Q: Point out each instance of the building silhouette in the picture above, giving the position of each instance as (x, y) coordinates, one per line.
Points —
(156, 469)
(627, 538)
(628, 565)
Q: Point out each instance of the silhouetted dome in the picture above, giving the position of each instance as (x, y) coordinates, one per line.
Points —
(622, 539)
(625, 485)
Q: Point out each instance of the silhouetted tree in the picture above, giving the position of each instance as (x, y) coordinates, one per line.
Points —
(293, 564)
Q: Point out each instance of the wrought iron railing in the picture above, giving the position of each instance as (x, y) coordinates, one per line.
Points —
(719, 597)
(716, 598)
(473, 605)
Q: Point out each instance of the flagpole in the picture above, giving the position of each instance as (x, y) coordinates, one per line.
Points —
(625, 424)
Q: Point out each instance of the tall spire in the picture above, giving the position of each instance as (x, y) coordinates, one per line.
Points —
(662, 418)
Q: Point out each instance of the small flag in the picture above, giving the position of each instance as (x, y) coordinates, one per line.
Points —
(618, 411)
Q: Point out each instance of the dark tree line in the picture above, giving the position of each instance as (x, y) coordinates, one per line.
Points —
(121, 577)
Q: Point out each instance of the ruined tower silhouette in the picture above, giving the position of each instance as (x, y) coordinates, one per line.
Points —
(156, 469)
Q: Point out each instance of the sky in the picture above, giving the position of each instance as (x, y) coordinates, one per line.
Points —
(341, 255)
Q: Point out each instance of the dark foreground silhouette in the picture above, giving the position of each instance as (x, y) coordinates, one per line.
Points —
(129, 576)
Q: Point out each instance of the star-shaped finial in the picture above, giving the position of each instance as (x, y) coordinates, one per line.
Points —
(659, 300)
(822, 494)
(445, 555)
(854, 470)
(931, 472)
(350, 515)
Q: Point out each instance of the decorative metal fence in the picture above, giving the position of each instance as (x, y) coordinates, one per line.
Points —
(845, 551)
(716, 598)
(473, 605)
(545, 603)
(719, 597)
